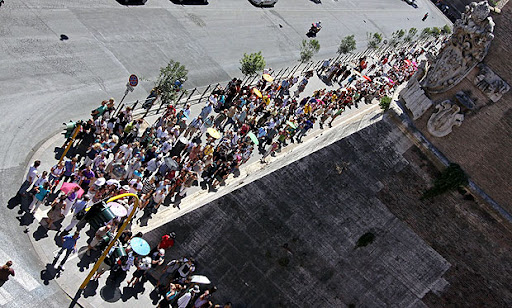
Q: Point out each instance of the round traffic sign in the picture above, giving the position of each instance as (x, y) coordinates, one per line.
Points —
(134, 81)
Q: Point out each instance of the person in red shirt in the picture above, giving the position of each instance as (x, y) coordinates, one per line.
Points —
(5, 272)
(167, 241)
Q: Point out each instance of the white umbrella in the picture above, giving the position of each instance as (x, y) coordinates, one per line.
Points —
(200, 279)
(112, 182)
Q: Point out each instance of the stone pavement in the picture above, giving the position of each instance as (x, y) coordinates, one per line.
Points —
(98, 294)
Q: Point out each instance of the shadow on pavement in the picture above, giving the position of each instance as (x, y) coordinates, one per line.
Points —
(13, 202)
(91, 288)
(129, 292)
(26, 219)
(110, 293)
(49, 273)
(86, 260)
(40, 233)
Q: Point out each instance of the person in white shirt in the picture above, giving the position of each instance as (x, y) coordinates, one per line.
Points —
(153, 165)
(127, 150)
(31, 177)
(41, 179)
(166, 146)
(136, 184)
(184, 300)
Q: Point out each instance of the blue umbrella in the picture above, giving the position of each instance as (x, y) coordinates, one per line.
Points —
(140, 246)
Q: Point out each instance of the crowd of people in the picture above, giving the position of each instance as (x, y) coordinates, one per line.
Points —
(115, 153)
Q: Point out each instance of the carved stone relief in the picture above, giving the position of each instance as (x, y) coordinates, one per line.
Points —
(441, 122)
(414, 96)
(489, 83)
(468, 45)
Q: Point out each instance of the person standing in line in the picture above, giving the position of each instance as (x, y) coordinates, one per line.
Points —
(39, 197)
(68, 245)
(55, 174)
(188, 297)
(6, 271)
(70, 200)
(78, 209)
(31, 177)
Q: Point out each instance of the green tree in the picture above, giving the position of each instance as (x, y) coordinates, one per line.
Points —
(374, 40)
(308, 49)
(384, 103)
(447, 29)
(436, 31)
(166, 82)
(397, 36)
(426, 32)
(411, 34)
(252, 63)
(347, 44)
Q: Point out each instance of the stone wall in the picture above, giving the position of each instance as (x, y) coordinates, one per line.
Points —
(483, 143)
(289, 238)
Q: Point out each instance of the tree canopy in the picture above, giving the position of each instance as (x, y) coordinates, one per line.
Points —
(308, 49)
(170, 80)
(252, 63)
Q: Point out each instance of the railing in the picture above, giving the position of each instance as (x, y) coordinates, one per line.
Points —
(196, 95)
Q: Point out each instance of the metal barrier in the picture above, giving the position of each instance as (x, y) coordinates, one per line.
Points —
(282, 74)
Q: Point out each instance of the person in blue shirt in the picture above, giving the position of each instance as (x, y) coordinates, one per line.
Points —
(41, 193)
(69, 246)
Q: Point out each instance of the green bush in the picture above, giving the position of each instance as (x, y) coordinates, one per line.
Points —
(426, 32)
(411, 34)
(436, 31)
(385, 102)
(450, 179)
(166, 80)
(447, 29)
(252, 63)
(308, 49)
(347, 44)
(374, 40)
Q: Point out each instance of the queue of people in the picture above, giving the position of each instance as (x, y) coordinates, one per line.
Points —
(115, 153)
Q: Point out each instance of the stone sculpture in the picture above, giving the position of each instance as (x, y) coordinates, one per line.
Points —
(441, 122)
(489, 83)
(468, 45)
(414, 96)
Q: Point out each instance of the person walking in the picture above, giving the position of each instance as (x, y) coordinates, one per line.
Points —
(6, 271)
(30, 178)
(424, 17)
(69, 246)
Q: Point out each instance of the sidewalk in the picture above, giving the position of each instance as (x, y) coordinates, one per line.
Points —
(98, 294)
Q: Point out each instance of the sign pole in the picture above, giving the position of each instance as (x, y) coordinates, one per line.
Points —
(113, 241)
(75, 133)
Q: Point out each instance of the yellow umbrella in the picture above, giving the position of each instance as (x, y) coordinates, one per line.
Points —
(213, 132)
(257, 92)
(268, 78)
